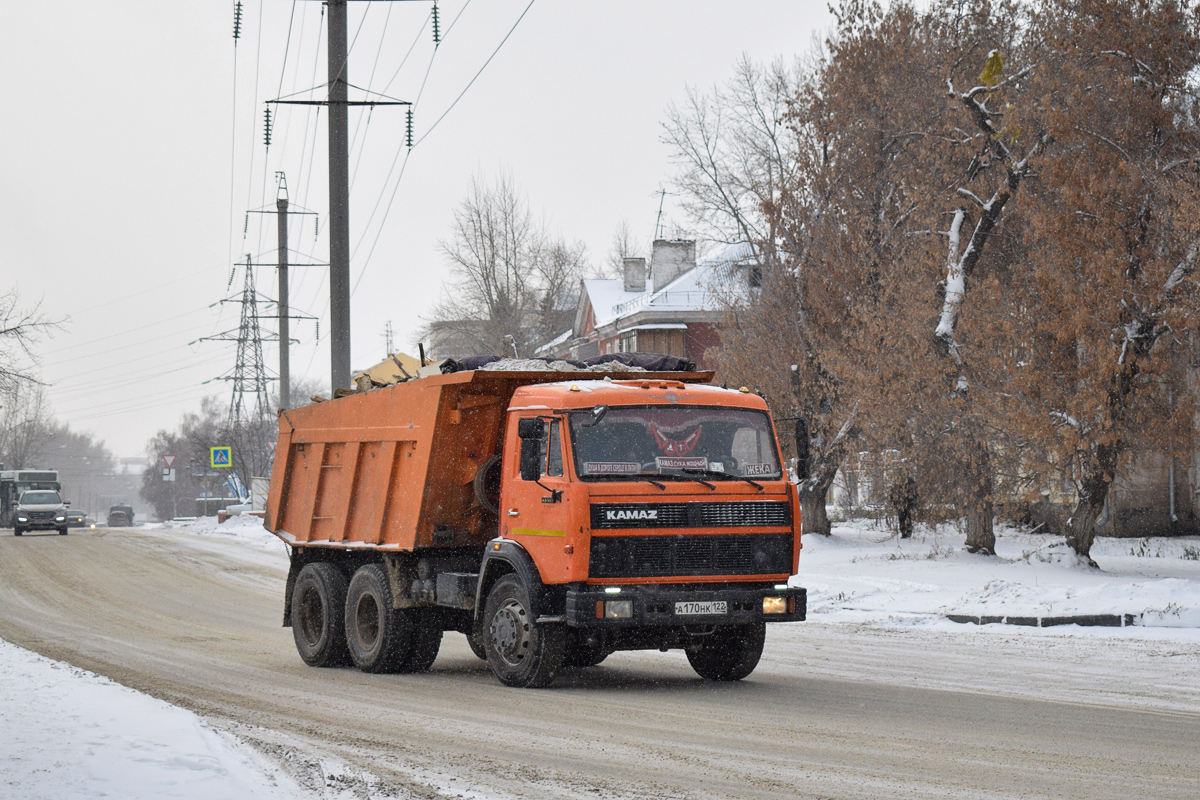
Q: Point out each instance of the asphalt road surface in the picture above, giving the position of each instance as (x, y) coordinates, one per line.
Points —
(199, 626)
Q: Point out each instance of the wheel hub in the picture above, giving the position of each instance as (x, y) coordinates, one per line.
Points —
(510, 631)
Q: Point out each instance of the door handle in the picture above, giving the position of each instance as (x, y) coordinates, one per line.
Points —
(512, 512)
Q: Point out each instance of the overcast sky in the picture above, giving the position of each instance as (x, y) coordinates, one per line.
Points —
(128, 173)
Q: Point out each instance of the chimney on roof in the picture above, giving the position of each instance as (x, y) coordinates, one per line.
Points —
(635, 274)
(669, 259)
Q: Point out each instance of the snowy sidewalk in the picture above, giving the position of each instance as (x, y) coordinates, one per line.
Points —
(864, 573)
(69, 733)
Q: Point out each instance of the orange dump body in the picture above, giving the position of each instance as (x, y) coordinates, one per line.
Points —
(396, 468)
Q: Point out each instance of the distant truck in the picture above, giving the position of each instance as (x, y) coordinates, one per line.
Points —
(120, 516)
(551, 517)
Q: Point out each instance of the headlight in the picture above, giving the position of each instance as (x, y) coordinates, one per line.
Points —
(60, 518)
(618, 609)
(22, 518)
(614, 609)
(774, 605)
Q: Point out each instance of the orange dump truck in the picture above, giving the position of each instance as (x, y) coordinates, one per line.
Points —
(551, 517)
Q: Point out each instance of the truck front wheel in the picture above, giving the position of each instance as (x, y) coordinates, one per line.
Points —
(728, 654)
(520, 652)
(318, 600)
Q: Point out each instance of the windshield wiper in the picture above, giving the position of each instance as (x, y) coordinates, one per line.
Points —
(647, 479)
(701, 481)
(753, 483)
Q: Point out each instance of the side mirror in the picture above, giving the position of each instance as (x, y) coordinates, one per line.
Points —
(532, 433)
(533, 428)
(597, 414)
(531, 462)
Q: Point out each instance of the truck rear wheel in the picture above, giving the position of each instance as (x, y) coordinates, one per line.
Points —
(379, 637)
(426, 641)
(520, 652)
(728, 654)
(318, 627)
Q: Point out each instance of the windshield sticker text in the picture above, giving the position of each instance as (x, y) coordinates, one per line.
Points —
(668, 462)
(752, 470)
(612, 468)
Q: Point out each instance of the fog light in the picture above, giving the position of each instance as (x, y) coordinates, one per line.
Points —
(60, 519)
(774, 605)
(22, 519)
(618, 609)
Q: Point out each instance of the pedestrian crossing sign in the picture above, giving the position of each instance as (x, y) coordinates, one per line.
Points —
(220, 456)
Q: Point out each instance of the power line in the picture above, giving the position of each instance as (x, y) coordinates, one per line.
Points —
(477, 74)
(396, 187)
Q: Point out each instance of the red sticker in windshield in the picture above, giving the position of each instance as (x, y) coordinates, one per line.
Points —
(676, 447)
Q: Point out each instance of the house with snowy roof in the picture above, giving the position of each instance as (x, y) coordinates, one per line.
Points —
(672, 305)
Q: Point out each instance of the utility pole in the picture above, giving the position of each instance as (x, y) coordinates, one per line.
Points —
(339, 201)
(337, 98)
(284, 315)
(281, 203)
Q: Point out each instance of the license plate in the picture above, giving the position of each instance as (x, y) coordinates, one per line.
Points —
(690, 608)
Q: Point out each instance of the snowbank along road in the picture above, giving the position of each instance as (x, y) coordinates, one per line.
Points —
(833, 710)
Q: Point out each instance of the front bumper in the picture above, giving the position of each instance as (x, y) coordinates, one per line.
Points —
(39, 523)
(654, 605)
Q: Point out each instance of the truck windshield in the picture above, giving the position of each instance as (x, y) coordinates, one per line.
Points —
(40, 498)
(674, 442)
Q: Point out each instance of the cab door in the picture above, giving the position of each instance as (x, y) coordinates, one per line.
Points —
(533, 508)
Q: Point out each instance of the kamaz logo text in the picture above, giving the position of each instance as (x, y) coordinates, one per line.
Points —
(647, 513)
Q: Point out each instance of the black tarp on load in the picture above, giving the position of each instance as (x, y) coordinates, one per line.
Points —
(651, 362)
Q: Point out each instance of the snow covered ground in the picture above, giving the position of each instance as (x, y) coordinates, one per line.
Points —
(865, 573)
(71, 734)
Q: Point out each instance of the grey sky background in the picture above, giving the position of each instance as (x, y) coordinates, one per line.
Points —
(128, 173)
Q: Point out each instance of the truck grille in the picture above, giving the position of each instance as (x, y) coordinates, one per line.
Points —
(662, 556)
(690, 515)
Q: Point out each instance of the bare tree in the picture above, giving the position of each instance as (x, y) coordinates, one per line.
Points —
(25, 425)
(20, 328)
(624, 245)
(512, 282)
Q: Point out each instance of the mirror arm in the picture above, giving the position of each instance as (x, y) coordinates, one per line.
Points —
(555, 494)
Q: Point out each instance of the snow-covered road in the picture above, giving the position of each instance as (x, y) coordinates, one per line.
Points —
(877, 622)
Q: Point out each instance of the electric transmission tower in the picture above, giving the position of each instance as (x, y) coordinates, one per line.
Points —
(249, 375)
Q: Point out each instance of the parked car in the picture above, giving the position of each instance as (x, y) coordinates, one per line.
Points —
(40, 510)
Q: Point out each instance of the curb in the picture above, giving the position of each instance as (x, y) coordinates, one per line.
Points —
(1090, 620)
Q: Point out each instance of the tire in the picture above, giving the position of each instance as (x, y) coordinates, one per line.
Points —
(18, 531)
(62, 531)
(520, 652)
(475, 640)
(318, 615)
(426, 641)
(728, 654)
(379, 637)
(581, 654)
